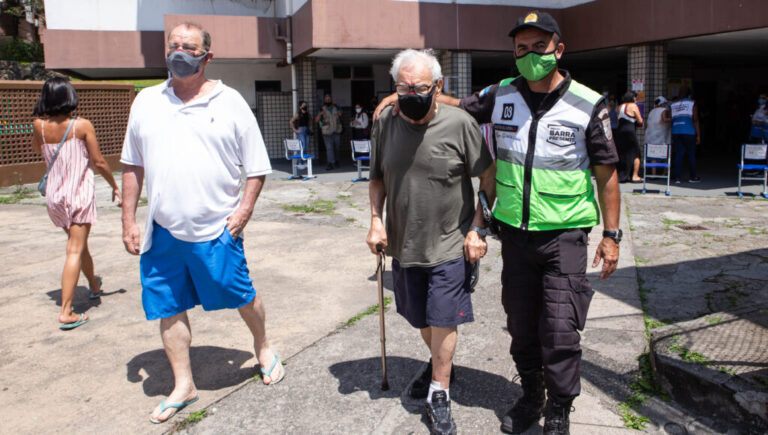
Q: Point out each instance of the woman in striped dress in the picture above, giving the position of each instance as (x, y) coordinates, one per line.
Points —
(70, 187)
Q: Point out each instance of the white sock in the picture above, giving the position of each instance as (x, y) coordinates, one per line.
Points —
(437, 386)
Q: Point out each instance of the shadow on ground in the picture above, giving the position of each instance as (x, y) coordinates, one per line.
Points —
(386, 278)
(472, 388)
(213, 368)
(82, 302)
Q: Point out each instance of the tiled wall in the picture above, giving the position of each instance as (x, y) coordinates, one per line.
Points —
(306, 77)
(457, 67)
(649, 63)
(274, 111)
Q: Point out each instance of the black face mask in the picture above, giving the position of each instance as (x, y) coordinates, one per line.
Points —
(328, 104)
(415, 106)
(303, 108)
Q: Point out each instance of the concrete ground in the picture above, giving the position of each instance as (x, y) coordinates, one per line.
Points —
(314, 272)
(704, 267)
(107, 375)
(719, 178)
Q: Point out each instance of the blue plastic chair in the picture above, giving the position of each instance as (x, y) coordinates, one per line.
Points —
(656, 156)
(361, 155)
(295, 154)
(754, 157)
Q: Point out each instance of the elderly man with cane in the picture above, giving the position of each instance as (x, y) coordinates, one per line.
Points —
(422, 163)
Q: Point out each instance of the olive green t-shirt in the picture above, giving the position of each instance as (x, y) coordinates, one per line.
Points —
(426, 171)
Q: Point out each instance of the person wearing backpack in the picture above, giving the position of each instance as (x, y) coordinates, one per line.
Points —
(70, 149)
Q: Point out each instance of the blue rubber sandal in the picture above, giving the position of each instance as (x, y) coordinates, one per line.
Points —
(97, 295)
(178, 406)
(73, 325)
(269, 372)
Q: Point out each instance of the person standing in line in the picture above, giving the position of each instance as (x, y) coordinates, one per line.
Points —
(300, 125)
(422, 164)
(685, 134)
(552, 134)
(329, 119)
(626, 139)
(612, 112)
(359, 124)
(193, 138)
(759, 131)
(657, 129)
(70, 193)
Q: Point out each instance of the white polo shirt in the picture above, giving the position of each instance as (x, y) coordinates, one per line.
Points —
(192, 154)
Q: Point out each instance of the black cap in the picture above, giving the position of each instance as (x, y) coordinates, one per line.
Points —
(538, 20)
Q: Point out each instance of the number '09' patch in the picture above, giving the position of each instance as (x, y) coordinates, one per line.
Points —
(508, 111)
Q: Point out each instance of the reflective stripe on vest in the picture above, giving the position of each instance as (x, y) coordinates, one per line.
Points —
(545, 185)
(682, 116)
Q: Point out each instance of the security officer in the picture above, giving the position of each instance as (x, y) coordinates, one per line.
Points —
(551, 135)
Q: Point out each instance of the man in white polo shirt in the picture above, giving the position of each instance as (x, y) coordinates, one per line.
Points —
(190, 137)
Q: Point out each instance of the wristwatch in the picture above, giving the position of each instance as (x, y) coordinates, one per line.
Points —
(615, 235)
(482, 232)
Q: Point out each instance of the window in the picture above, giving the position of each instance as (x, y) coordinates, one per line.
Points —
(363, 72)
(267, 85)
(342, 72)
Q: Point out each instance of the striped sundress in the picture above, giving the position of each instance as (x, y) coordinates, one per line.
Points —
(70, 188)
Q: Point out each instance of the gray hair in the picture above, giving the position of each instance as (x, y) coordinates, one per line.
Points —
(203, 33)
(410, 57)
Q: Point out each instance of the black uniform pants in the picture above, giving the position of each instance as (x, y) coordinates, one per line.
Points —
(546, 296)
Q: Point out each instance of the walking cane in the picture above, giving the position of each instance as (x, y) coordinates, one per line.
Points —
(379, 272)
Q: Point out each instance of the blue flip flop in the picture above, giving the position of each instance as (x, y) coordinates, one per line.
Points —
(178, 406)
(269, 372)
(73, 325)
(97, 295)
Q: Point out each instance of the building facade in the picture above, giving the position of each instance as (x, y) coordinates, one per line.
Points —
(276, 52)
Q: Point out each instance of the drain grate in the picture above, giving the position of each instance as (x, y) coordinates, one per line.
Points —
(691, 227)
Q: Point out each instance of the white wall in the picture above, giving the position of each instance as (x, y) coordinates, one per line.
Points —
(540, 4)
(241, 76)
(148, 14)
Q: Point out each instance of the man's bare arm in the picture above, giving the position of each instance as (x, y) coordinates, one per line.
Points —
(448, 100)
(391, 100)
(239, 219)
(133, 178)
(487, 185)
(610, 206)
(377, 234)
(475, 247)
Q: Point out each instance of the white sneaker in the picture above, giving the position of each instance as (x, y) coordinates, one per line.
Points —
(302, 166)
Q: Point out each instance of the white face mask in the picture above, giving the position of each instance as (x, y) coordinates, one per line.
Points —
(358, 110)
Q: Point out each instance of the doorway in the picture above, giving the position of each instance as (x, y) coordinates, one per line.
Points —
(362, 92)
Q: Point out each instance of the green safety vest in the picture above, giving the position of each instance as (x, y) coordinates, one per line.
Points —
(543, 176)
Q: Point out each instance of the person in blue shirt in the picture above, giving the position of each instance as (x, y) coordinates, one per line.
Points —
(685, 134)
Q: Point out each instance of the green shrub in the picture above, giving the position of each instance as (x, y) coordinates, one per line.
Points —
(22, 51)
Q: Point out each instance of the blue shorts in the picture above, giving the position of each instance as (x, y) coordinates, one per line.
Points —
(177, 275)
(434, 296)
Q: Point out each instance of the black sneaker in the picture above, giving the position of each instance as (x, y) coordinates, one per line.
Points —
(420, 387)
(439, 413)
(556, 420)
(695, 180)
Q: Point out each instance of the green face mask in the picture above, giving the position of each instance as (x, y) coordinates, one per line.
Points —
(535, 66)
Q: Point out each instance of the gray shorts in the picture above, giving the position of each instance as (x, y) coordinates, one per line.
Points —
(434, 296)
